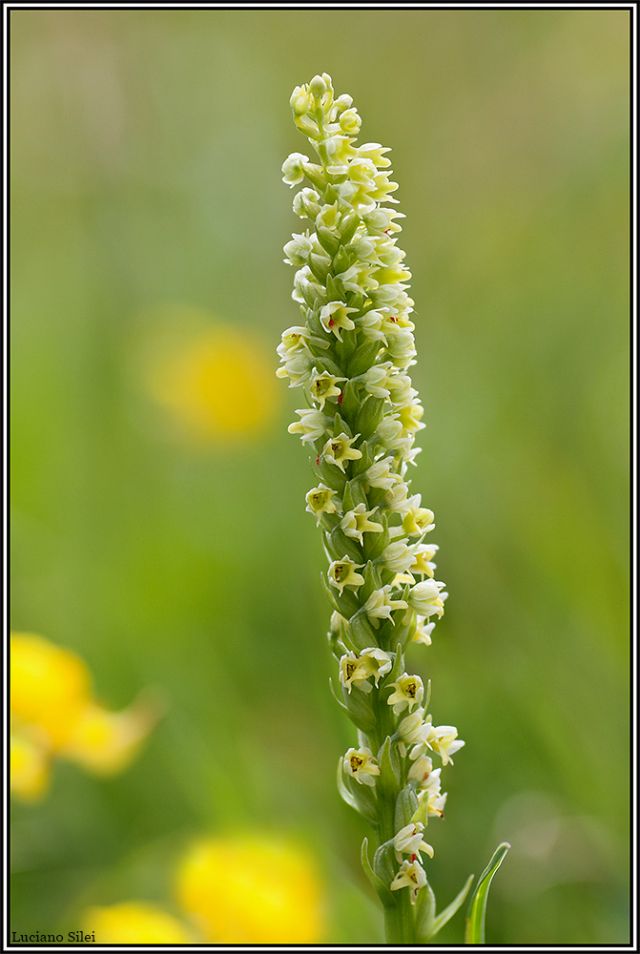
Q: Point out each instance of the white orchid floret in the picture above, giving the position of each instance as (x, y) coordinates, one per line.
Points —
(398, 556)
(311, 426)
(301, 100)
(380, 605)
(409, 841)
(409, 457)
(401, 349)
(334, 317)
(294, 339)
(423, 631)
(338, 170)
(306, 288)
(399, 320)
(443, 739)
(380, 662)
(376, 379)
(401, 389)
(370, 324)
(350, 122)
(405, 450)
(431, 800)
(306, 122)
(363, 172)
(298, 250)
(393, 267)
(321, 499)
(398, 324)
(400, 339)
(421, 770)
(390, 433)
(343, 573)
(357, 279)
(433, 782)
(356, 522)
(363, 247)
(320, 86)
(381, 474)
(324, 386)
(337, 146)
(390, 256)
(410, 416)
(407, 692)
(297, 368)
(306, 203)
(427, 598)
(342, 102)
(380, 220)
(359, 764)
(431, 794)
(417, 519)
(355, 195)
(375, 153)
(411, 875)
(423, 562)
(328, 217)
(392, 274)
(403, 579)
(384, 186)
(392, 277)
(430, 806)
(397, 497)
(355, 671)
(338, 450)
(293, 168)
(338, 628)
(413, 730)
(358, 670)
(379, 184)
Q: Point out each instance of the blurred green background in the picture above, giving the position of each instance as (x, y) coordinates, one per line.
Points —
(145, 173)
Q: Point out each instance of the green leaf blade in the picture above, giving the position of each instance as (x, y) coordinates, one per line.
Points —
(475, 929)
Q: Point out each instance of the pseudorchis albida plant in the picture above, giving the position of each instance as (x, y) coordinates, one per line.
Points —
(350, 355)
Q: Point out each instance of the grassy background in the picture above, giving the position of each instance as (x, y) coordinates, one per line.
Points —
(145, 160)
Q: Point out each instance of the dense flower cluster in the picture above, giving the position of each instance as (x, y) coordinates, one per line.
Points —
(350, 356)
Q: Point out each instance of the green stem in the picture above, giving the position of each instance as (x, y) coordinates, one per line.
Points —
(394, 925)
(398, 916)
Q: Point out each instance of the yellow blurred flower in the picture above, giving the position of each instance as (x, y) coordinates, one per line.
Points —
(251, 890)
(232, 890)
(106, 742)
(50, 686)
(29, 769)
(215, 382)
(54, 713)
(134, 922)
